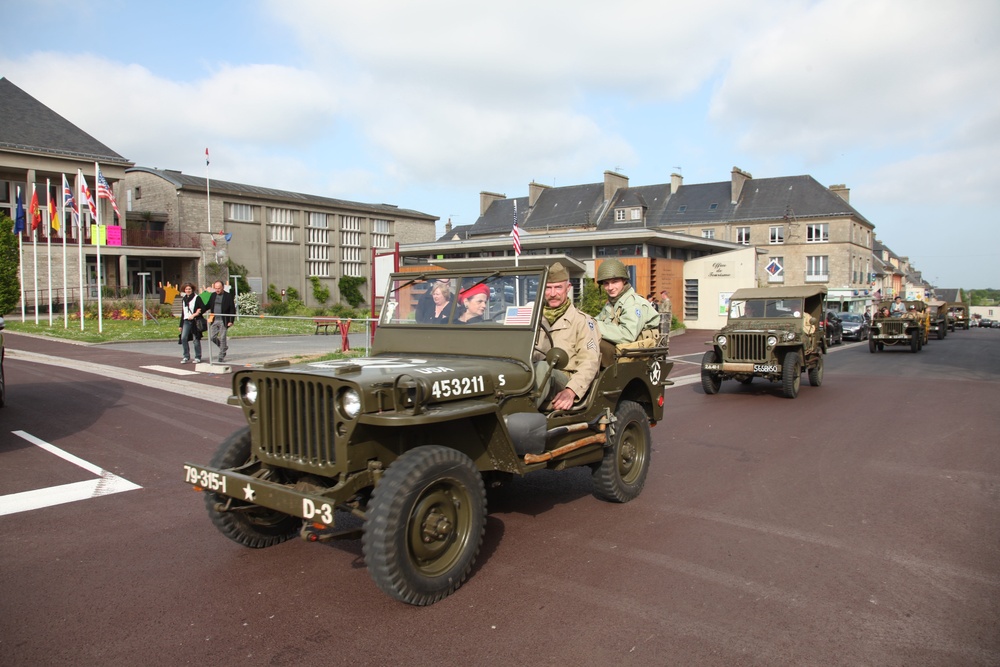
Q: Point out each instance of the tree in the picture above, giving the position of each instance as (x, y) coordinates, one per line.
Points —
(10, 259)
(593, 298)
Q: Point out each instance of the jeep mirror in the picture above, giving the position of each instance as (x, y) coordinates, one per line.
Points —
(557, 358)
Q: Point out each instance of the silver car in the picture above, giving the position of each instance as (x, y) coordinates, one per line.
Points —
(855, 326)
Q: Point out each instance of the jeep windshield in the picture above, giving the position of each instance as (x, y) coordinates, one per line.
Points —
(765, 308)
(482, 298)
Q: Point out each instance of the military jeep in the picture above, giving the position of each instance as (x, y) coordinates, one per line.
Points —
(410, 438)
(958, 316)
(937, 312)
(773, 333)
(909, 329)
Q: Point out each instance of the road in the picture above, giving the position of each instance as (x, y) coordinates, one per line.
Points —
(856, 524)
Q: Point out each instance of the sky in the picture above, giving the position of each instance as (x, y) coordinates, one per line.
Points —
(426, 104)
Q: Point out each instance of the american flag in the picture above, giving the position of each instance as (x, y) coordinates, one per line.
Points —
(516, 233)
(86, 194)
(518, 315)
(104, 192)
(70, 202)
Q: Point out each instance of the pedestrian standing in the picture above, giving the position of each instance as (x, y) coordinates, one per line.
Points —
(192, 323)
(222, 307)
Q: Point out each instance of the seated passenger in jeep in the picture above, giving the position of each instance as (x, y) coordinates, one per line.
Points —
(573, 331)
(627, 320)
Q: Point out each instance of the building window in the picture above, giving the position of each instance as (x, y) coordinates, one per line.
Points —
(683, 208)
(708, 233)
(817, 232)
(817, 268)
(240, 212)
(318, 220)
(318, 269)
(777, 234)
(350, 261)
(712, 207)
(138, 192)
(381, 237)
(691, 299)
(282, 224)
(743, 235)
(619, 251)
(619, 215)
(637, 214)
(350, 232)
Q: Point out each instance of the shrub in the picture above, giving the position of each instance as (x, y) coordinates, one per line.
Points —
(320, 292)
(349, 290)
(247, 304)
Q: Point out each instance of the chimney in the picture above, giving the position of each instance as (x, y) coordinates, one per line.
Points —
(487, 198)
(447, 227)
(535, 191)
(612, 183)
(842, 191)
(739, 178)
(676, 181)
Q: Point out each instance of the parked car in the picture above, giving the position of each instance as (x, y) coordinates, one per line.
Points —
(833, 329)
(985, 323)
(855, 326)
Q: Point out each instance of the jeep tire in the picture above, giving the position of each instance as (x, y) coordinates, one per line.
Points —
(816, 373)
(710, 380)
(620, 477)
(252, 526)
(425, 524)
(791, 374)
(915, 343)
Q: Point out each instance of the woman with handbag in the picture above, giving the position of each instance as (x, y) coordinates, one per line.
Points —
(192, 323)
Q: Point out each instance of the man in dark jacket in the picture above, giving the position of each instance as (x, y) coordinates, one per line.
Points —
(222, 308)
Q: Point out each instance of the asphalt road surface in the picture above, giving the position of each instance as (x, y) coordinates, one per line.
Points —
(858, 524)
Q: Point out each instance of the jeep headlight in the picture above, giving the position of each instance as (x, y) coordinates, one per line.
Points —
(721, 340)
(789, 335)
(349, 402)
(248, 391)
(772, 341)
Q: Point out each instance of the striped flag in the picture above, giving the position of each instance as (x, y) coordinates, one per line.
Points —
(70, 202)
(516, 233)
(87, 195)
(53, 213)
(104, 192)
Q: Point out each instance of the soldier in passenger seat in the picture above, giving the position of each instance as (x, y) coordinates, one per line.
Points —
(627, 320)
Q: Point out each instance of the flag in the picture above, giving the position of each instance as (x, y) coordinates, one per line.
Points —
(516, 233)
(53, 213)
(206, 157)
(86, 193)
(70, 202)
(20, 223)
(34, 211)
(104, 192)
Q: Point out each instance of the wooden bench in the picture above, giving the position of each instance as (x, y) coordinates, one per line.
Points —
(325, 323)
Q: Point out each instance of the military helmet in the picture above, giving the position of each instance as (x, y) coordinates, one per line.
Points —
(611, 268)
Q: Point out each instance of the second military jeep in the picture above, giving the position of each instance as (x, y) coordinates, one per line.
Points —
(409, 438)
(958, 316)
(909, 329)
(773, 333)
(937, 312)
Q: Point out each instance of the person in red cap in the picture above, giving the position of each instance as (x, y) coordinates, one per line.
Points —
(474, 304)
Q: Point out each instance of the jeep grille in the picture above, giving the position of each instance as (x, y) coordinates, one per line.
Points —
(893, 328)
(746, 347)
(296, 420)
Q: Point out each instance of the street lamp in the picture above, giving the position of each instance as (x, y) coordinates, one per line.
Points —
(142, 276)
(236, 293)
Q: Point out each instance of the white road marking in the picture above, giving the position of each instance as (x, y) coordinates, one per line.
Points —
(106, 484)
(170, 369)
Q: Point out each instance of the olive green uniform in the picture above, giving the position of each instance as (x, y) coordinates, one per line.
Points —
(576, 333)
(623, 320)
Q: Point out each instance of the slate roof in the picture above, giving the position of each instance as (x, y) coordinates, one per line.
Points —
(184, 181)
(949, 294)
(28, 125)
(581, 206)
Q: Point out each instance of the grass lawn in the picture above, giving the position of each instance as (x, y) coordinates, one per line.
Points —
(115, 331)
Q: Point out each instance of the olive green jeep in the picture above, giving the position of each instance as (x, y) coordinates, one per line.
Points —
(774, 333)
(908, 329)
(958, 316)
(937, 312)
(409, 439)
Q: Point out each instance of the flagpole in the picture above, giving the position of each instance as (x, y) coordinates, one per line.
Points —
(79, 238)
(100, 304)
(34, 245)
(208, 193)
(48, 244)
(62, 233)
(20, 253)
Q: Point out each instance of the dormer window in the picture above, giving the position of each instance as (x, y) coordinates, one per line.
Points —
(712, 207)
(637, 214)
(620, 215)
(681, 209)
